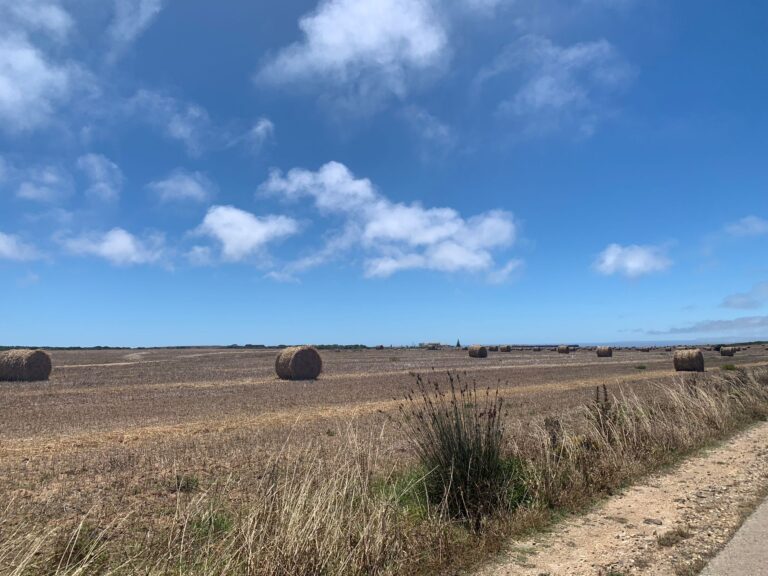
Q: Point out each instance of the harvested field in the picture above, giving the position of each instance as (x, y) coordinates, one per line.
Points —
(115, 430)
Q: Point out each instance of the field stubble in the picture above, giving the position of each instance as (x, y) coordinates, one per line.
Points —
(142, 443)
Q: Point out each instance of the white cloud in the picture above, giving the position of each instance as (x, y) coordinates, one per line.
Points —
(333, 187)
(560, 86)
(749, 226)
(263, 130)
(632, 261)
(184, 122)
(118, 247)
(505, 272)
(242, 234)
(31, 85)
(754, 298)
(37, 15)
(13, 248)
(182, 185)
(747, 325)
(131, 19)
(396, 236)
(104, 176)
(47, 184)
(370, 48)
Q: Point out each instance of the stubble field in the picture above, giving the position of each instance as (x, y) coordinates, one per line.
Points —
(125, 432)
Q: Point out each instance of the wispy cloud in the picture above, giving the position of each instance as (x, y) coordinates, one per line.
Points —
(754, 298)
(259, 134)
(104, 176)
(118, 247)
(746, 325)
(187, 123)
(13, 248)
(429, 128)
(44, 184)
(47, 16)
(397, 236)
(182, 185)
(632, 261)
(559, 86)
(131, 19)
(749, 226)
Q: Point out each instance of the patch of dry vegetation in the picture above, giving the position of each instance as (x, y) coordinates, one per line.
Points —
(341, 511)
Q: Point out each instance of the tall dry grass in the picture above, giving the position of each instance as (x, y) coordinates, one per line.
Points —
(615, 439)
(310, 512)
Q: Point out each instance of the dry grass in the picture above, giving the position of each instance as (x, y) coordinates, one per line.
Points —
(153, 466)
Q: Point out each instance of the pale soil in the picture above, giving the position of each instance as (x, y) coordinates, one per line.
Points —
(669, 524)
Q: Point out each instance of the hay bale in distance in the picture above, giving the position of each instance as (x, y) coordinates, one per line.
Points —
(604, 352)
(689, 361)
(25, 366)
(505, 348)
(298, 363)
(493, 348)
(727, 351)
(563, 349)
(477, 351)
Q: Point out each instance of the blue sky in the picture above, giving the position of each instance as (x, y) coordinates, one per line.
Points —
(382, 171)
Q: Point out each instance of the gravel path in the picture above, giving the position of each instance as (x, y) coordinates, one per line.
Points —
(668, 525)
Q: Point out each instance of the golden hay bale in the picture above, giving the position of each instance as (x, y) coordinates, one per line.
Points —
(477, 351)
(563, 349)
(25, 365)
(493, 348)
(727, 351)
(689, 361)
(505, 348)
(298, 363)
(604, 352)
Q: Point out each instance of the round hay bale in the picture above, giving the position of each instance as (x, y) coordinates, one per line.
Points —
(493, 348)
(727, 351)
(477, 351)
(505, 348)
(298, 363)
(689, 361)
(25, 366)
(537, 349)
(563, 349)
(604, 352)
